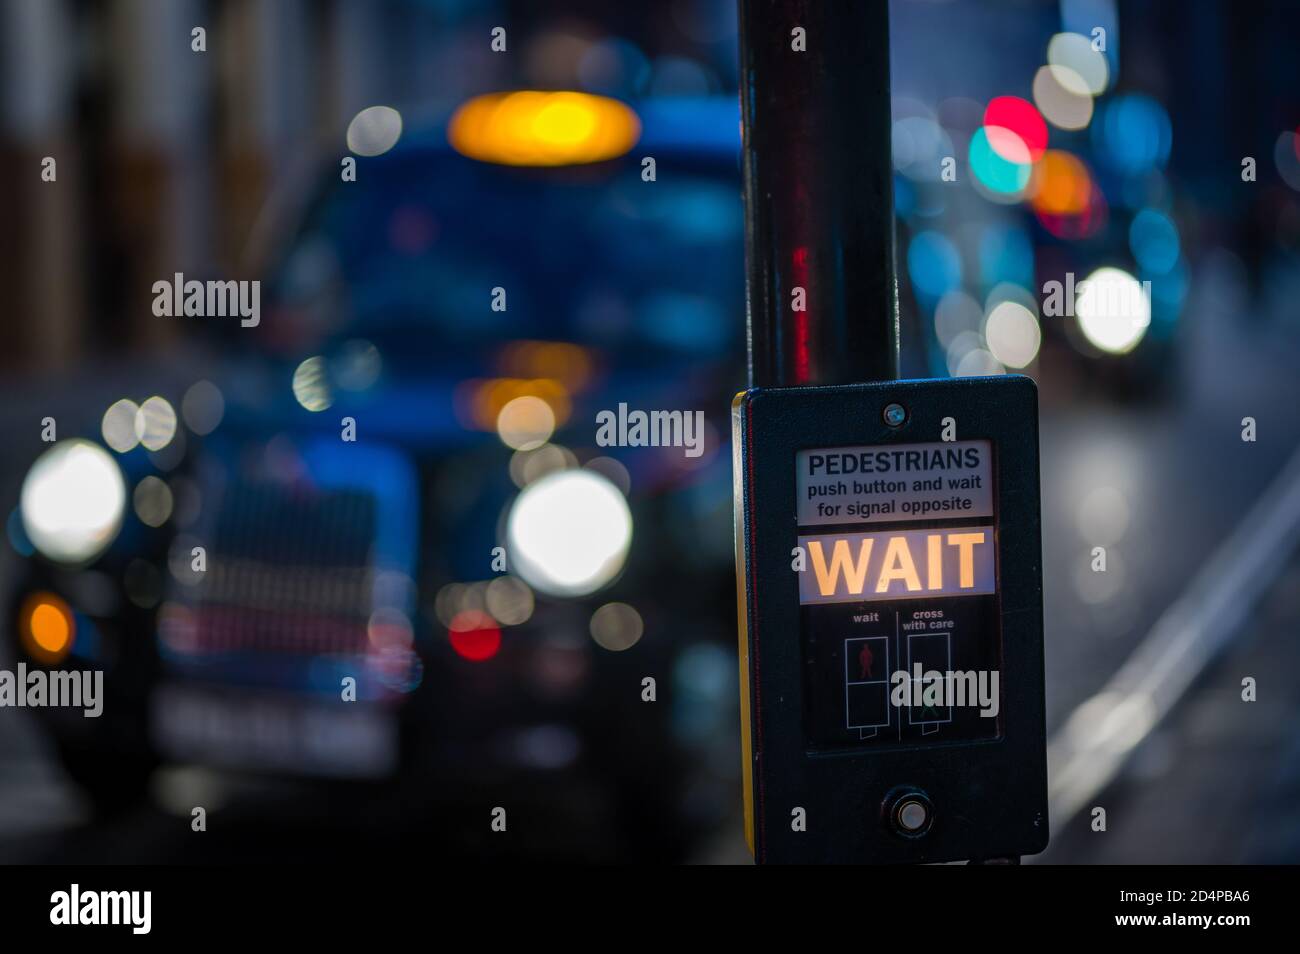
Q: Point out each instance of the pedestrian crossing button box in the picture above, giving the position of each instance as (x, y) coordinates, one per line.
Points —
(889, 571)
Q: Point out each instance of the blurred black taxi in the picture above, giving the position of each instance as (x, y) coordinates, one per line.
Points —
(378, 544)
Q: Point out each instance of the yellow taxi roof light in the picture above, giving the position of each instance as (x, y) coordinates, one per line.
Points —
(534, 128)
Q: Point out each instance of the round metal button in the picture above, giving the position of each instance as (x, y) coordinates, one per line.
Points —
(908, 812)
(912, 815)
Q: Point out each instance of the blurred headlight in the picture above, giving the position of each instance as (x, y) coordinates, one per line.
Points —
(568, 533)
(72, 501)
(1114, 310)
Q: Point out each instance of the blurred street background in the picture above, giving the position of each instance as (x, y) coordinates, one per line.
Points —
(1164, 148)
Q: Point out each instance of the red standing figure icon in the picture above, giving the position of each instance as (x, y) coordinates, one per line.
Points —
(864, 660)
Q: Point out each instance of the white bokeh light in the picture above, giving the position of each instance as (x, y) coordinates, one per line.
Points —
(72, 501)
(1012, 334)
(1114, 310)
(374, 130)
(1063, 97)
(568, 533)
(155, 423)
(118, 426)
(1073, 60)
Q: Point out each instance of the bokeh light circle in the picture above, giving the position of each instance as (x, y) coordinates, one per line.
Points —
(1061, 184)
(155, 423)
(934, 264)
(311, 384)
(118, 425)
(374, 130)
(1113, 310)
(1077, 65)
(203, 407)
(72, 501)
(1153, 237)
(616, 627)
(1063, 98)
(568, 533)
(1016, 130)
(1012, 334)
(474, 635)
(1133, 135)
(1286, 156)
(525, 423)
(1005, 178)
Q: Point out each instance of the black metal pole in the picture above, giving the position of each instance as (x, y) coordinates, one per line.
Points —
(819, 206)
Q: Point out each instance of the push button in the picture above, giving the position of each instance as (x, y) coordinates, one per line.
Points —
(909, 812)
(912, 816)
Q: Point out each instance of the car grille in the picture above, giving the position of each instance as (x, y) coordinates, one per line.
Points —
(288, 571)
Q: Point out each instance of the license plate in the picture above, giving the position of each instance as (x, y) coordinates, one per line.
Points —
(288, 736)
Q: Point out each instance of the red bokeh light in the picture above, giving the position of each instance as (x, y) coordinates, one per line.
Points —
(475, 635)
(1014, 128)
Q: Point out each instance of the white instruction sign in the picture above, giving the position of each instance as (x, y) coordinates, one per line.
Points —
(844, 485)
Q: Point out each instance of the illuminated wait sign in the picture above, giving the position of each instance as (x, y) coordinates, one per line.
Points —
(916, 564)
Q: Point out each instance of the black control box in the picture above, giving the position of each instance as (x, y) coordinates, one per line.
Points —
(889, 578)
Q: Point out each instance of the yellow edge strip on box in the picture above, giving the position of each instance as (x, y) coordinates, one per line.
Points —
(742, 614)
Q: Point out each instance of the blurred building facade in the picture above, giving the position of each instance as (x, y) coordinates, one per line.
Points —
(164, 153)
